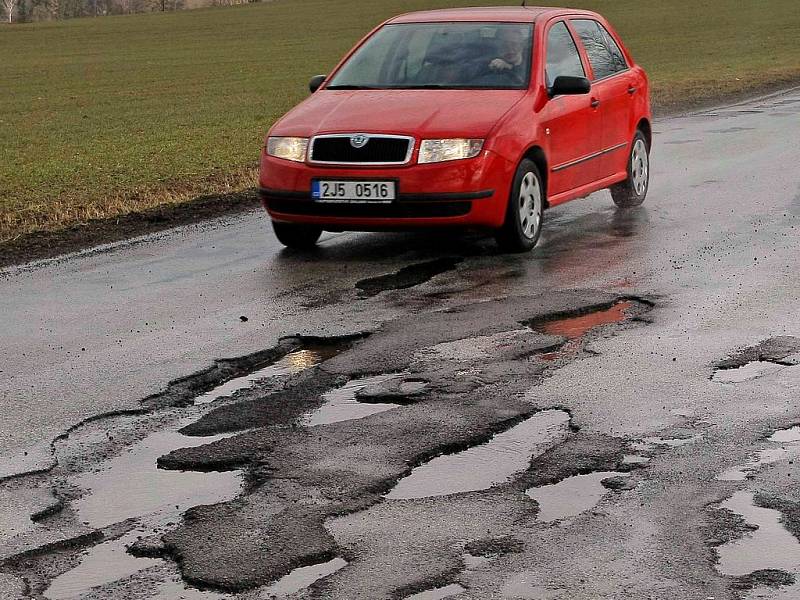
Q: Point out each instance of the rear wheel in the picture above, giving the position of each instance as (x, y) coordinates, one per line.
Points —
(525, 211)
(293, 235)
(633, 190)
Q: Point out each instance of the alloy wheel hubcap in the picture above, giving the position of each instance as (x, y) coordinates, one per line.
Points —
(530, 205)
(640, 167)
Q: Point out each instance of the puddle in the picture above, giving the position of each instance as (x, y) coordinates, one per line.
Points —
(768, 547)
(472, 562)
(341, 404)
(131, 486)
(785, 436)
(492, 463)
(571, 496)
(292, 363)
(176, 590)
(302, 578)
(438, 593)
(109, 562)
(101, 564)
(752, 370)
(578, 326)
(792, 360)
(790, 592)
(789, 440)
(525, 585)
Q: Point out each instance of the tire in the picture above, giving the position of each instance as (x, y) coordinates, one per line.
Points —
(524, 212)
(633, 190)
(297, 236)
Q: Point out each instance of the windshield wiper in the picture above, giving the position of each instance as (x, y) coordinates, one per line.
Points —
(352, 87)
(426, 86)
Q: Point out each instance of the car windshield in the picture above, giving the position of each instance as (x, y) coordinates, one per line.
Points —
(441, 56)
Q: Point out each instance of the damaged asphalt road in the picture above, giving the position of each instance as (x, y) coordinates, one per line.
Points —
(414, 416)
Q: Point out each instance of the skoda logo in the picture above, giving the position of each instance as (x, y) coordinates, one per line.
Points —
(359, 140)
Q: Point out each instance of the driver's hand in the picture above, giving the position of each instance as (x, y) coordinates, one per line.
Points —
(498, 64)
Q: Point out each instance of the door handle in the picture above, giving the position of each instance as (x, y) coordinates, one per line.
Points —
(595, 102)
(632, 90)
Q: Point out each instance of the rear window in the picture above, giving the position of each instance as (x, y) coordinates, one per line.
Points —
(604, 53)
(441, 55)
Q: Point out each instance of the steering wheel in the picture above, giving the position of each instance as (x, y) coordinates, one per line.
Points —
(499, 78)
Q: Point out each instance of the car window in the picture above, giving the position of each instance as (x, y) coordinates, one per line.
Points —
(604, 53)
(562, 54)
(441, 55)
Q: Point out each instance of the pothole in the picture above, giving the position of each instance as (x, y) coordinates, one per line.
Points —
(174, 589)
(291, 364)
(571, 496)
(100, 565)
(747, 372)
(770, 546)
(438, 593)
(472, 562)
(130, 486)
(527, 585)
(301, 578)
(786, 445)
(342, 404)
(765, 358)
(486, 465)
(576, 326)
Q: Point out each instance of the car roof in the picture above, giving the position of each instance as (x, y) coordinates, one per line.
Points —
(513, 14)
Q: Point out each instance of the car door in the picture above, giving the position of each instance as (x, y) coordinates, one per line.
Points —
(615, 86)
(571, 123)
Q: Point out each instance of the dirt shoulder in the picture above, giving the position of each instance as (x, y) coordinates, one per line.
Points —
(40, 245)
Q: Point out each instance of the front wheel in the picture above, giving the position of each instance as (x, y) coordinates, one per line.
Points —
(633, 190)
(525, 210)
(293, 235)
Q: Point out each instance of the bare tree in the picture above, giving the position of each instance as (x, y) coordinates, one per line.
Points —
(10, 6)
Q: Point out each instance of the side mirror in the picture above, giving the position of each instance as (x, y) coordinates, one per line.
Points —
(316, 81)
(565, 85)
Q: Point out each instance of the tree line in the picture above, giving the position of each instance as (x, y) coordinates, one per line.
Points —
(20, 11)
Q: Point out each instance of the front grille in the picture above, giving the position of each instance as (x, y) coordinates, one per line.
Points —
(377, 150)
(394, 210)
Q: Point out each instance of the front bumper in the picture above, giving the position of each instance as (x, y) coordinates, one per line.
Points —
(469, 192)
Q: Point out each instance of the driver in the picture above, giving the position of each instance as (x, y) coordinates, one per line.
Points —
(510, 49)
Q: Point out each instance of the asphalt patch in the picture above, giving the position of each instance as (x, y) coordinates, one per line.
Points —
(406, 277)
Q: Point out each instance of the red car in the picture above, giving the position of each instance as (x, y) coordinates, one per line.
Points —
(477, 117)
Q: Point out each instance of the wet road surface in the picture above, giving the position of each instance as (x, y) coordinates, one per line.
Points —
(609, 416)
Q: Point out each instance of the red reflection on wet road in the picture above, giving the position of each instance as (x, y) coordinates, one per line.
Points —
(576, 327)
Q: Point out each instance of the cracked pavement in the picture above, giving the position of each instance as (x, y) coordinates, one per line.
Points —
(199, 414)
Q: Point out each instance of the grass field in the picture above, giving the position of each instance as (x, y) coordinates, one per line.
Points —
(99, 117)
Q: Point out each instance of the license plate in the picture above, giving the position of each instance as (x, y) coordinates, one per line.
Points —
(353, 191)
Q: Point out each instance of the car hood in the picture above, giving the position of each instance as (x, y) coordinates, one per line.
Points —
(421, 113)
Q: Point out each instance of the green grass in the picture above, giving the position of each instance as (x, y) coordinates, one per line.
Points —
(104, 116)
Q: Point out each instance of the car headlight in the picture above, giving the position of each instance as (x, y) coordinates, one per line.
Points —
(431, 151)
(289, 148)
